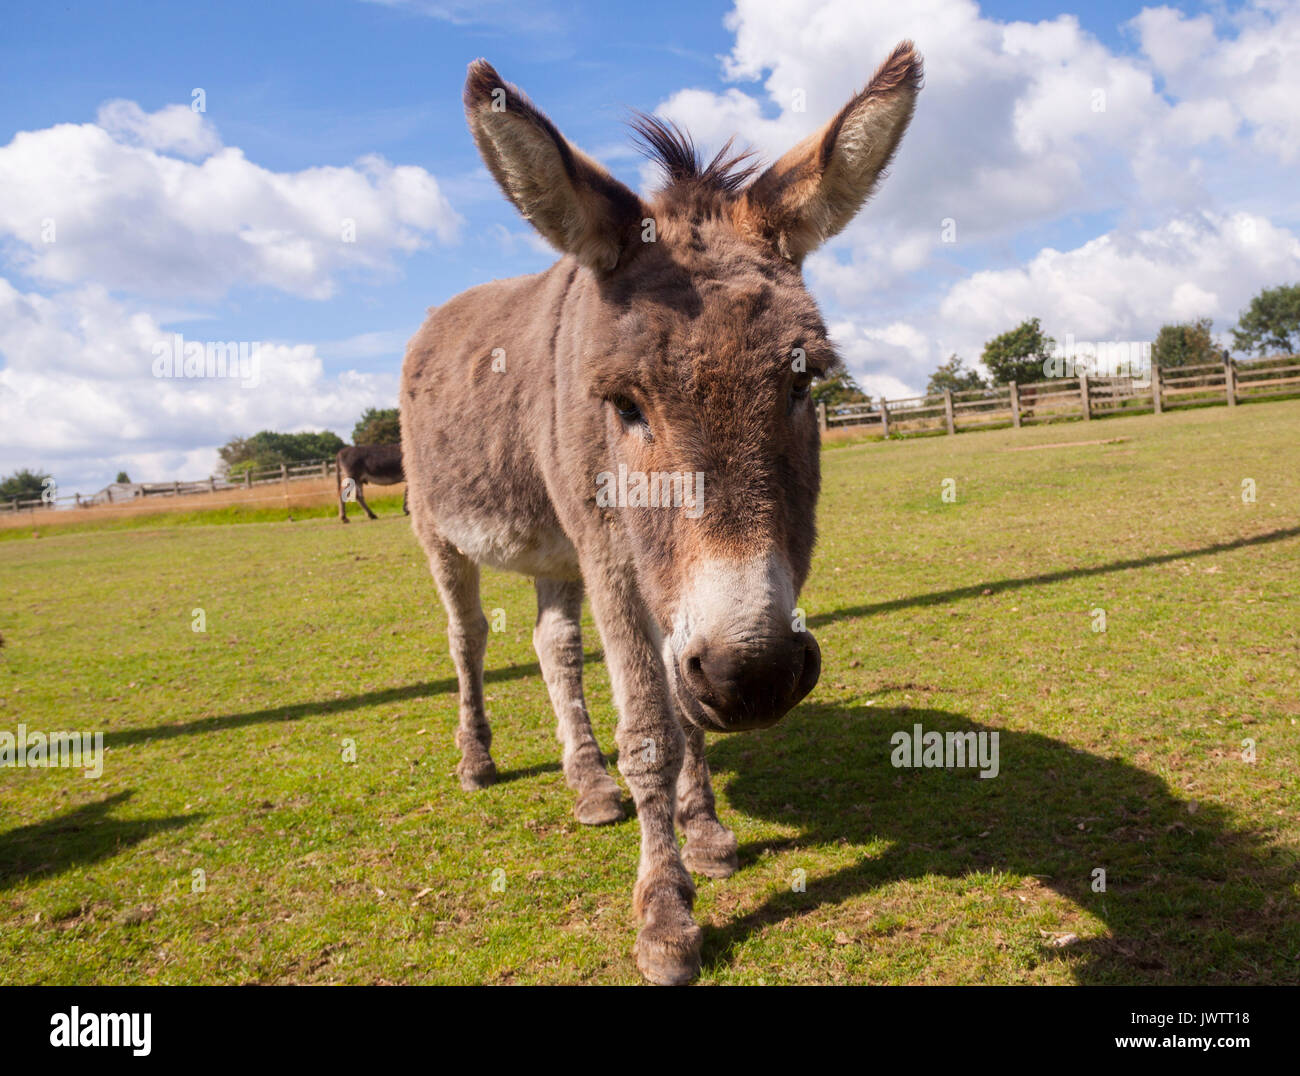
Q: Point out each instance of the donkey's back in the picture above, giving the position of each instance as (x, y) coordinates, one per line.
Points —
(478, 417)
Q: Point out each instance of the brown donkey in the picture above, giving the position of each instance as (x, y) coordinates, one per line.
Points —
(380, 465)
(636, 420)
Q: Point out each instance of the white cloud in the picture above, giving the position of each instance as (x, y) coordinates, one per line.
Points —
(78, 395)
(1121, 286)
(1254, 75)
(126, 215)
(1117, 287)
(175, 128)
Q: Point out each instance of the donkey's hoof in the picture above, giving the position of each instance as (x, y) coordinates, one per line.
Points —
(669, 955)
(714, 856)
(600, 806)
(476, 775)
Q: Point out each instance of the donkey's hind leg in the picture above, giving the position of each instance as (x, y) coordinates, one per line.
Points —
(361, 500)
(557, 639)
(467, 628)
(343, 504)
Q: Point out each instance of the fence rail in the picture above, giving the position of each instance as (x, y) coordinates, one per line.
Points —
(1083, 397)
(135, 492)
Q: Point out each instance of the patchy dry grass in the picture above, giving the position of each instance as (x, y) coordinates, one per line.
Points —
(1119, 751)
(308, 498)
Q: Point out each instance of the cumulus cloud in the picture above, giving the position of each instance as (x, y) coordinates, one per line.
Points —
(111, 203)
(1117, 287)
(1122, 286)
(175, 128)
(78, 393)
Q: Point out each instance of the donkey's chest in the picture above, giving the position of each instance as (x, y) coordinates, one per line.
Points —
(512, 545)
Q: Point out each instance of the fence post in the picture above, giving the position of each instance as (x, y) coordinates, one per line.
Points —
(325, 464)
(1230, 381)
(176, 487)
(248, 479)
(821, 418)
(1085, 396)
(884, 416)
(947, 411)
(1015, 405)
(284, 473)
(212, 483)
(1155, 387)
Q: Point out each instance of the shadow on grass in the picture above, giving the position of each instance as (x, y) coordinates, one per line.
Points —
(975, 590)
(296, 711)
(83, 835)
(1191, 898)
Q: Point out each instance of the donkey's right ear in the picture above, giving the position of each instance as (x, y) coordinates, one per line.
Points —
(577, 206)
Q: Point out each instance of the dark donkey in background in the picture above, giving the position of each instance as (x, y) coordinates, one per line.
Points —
(380, 465)
(674, 339)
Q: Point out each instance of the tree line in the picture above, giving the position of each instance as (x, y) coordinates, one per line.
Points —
(267, 450)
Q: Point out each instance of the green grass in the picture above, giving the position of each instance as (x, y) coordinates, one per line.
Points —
(1119, 750)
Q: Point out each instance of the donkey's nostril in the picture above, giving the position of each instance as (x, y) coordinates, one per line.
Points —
(695, 676)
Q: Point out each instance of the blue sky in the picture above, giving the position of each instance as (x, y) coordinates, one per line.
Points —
(1178, 197)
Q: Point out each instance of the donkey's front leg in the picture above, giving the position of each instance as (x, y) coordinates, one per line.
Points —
(650, 749)
(710, 846)
(558, 641)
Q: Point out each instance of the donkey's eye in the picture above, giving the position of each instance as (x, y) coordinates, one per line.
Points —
(801, 388)
(627, 410)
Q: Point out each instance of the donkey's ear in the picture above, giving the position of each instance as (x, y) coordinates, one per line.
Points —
(813, 192)
(577, 206)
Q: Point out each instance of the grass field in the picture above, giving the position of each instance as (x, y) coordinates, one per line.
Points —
(1119, 750)
(311, 498)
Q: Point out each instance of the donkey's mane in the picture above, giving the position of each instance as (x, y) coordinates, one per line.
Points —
(673, 150)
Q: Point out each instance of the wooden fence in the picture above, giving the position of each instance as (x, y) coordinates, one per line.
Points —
(1083, 397)
(138, 491)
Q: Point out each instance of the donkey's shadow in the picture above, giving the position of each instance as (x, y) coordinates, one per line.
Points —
(1190, 897)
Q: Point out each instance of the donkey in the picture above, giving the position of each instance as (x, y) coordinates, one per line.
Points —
(674, 337)
(378, 464)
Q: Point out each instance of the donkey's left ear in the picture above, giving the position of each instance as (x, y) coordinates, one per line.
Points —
(813, 192)
(577, 206)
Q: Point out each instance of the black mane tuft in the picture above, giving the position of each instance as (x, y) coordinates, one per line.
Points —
(663, 142)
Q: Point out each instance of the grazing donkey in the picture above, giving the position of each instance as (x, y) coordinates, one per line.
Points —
(378, 464)
(547, 420)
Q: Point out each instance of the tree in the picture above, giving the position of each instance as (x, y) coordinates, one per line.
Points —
(23, 485)
(266, 450)
(1187, 343)
(954, 376)
(378, 426)
(838, 387)
(1019, 355)
(1271, 322)
(123, 477)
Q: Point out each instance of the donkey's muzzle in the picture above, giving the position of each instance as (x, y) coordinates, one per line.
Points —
(752, 685)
